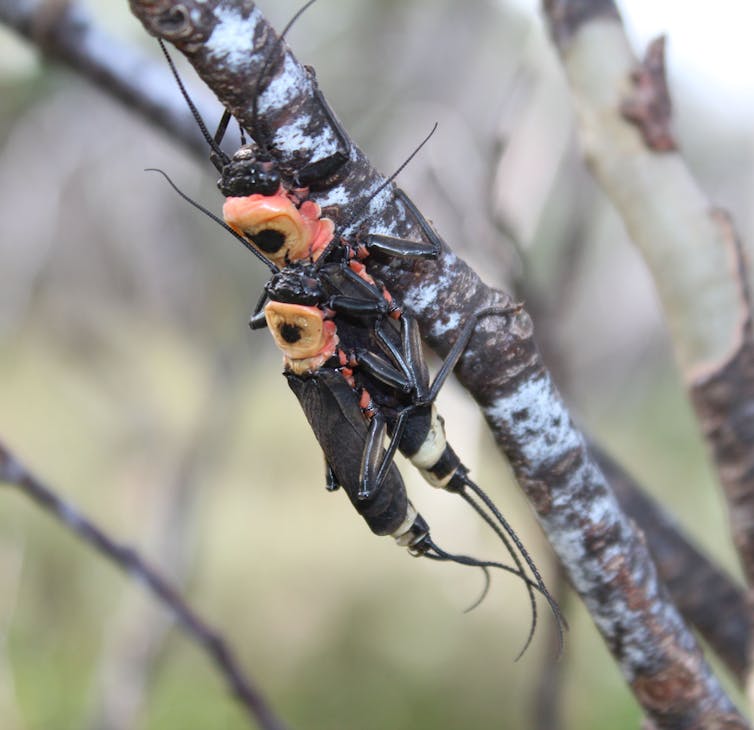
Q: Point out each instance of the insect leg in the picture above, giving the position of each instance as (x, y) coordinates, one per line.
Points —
(376, 460)
(320, 173)
(460, 345)
(331, 481)
(258, 321)
(402, 248)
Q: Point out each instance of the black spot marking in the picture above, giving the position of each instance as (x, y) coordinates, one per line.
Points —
(290, 333)
(268, 240)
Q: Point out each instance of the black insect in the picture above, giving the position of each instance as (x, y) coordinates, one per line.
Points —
(326, 318)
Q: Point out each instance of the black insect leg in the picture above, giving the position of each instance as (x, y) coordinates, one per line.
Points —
(460, 346)
(258, 321)
(331, 481)
(410, 377)
(409, 357)
(321, 173)
(376, 460)
(402, 248)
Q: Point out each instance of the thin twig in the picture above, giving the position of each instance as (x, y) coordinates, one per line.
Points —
(13, 473)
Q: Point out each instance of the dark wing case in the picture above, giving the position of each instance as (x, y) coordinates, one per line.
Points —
(332, 409)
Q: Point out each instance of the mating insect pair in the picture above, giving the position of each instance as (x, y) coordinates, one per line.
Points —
(352, 357)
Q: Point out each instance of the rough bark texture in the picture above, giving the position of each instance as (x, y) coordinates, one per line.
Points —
(690, 247)
(704, 594)
(605, 555)
(649, 105)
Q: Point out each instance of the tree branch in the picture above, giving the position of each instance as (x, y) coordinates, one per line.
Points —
(605, 556)
(704, 594)
(62, 30)
(690, 247)
(13, 473)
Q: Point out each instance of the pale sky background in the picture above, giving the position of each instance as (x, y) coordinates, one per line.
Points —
(709, 44)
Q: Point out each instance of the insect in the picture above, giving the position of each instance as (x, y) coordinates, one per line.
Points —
(326, 319)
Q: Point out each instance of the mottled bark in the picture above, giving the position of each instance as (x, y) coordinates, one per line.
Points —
(704, 594)
(606, 558)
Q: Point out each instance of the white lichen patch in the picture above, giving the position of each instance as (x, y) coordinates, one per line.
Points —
(423, 297)
(285, 87)
(335, 196)
(232, 40)
(537, 419)
(450, 323)
(293, 137)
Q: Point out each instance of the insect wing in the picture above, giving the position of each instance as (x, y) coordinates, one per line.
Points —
(332, 409)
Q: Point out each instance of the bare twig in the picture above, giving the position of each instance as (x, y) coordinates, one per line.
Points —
(605, 556)
(62, 30)
(691, 249)
(13, 473)
(129, 665)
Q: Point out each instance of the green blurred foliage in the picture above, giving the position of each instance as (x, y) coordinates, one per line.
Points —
(128, 379)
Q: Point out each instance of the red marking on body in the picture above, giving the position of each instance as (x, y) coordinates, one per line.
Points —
(367, 404)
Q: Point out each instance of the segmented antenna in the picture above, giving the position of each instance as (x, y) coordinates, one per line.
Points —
(561, 622)
(398, 171)
(327, 250)
(517, 561)
(211, 141)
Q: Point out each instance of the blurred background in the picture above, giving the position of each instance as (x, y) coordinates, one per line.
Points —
(129, 380)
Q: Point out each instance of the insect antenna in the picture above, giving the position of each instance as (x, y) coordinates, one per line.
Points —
(477, 490)
(219, 158)
(328, 249)
(483, 595)
(435, 552)
(479, 509)
(400, 169)
(274, 269)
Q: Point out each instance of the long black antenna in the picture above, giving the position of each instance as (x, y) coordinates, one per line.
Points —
(524, 554)
(323, 256)
(274, 269)
(397, 172)
(479, 509)
(214, 146)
